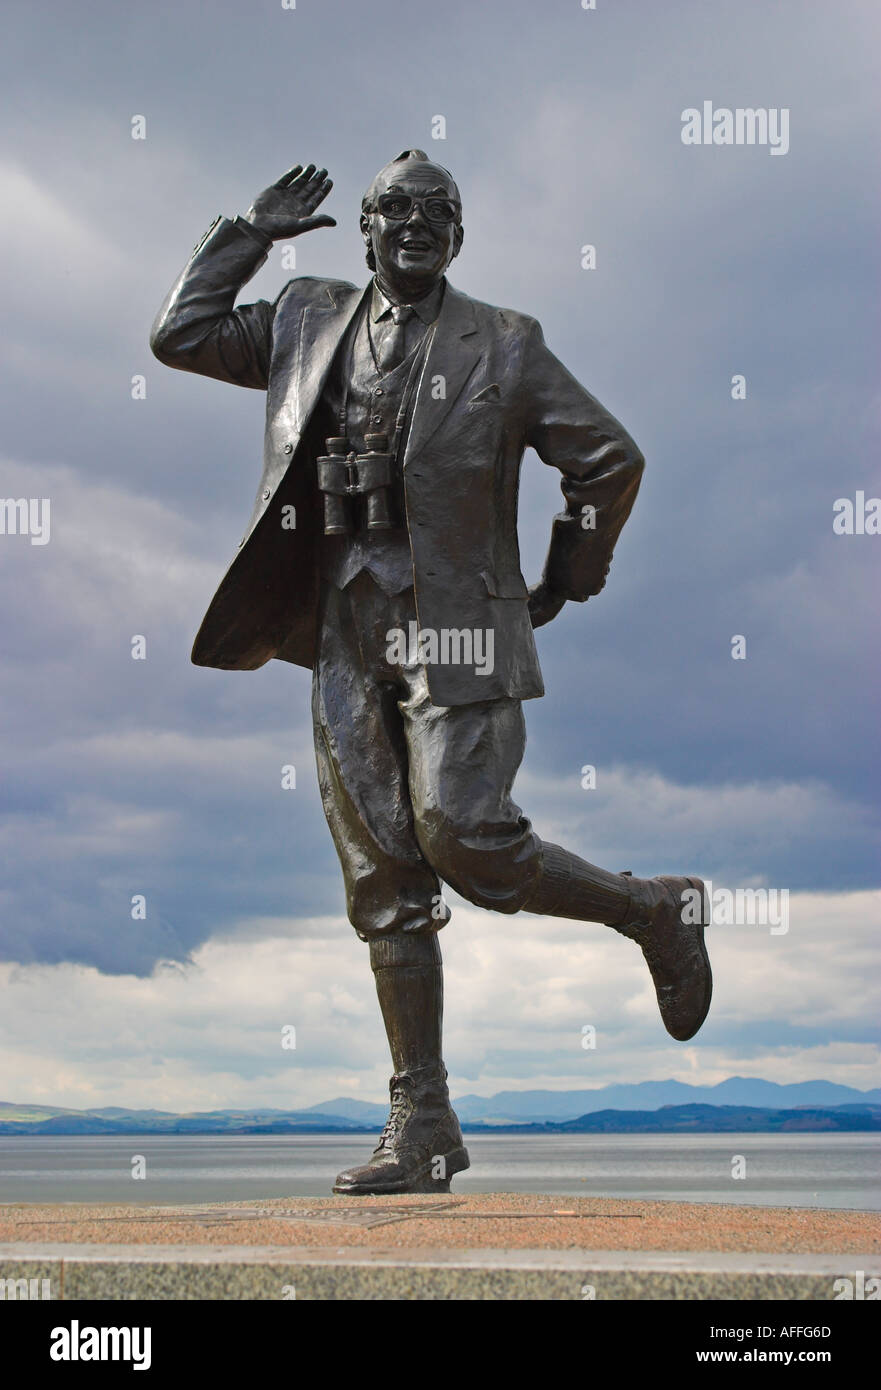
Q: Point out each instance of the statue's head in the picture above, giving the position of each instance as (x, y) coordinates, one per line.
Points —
(411, 221)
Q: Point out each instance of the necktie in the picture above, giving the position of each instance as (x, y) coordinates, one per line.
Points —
(392, 348)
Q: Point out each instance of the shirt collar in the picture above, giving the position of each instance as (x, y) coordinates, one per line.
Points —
(427, 309)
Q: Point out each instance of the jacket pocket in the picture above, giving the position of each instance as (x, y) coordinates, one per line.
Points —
(490, 395)
(512, 587)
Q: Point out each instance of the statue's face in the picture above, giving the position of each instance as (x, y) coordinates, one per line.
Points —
(413, 249)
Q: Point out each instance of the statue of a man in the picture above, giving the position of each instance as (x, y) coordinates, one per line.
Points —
(382, 554)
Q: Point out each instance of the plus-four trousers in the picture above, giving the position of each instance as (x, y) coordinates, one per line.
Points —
(413, 792)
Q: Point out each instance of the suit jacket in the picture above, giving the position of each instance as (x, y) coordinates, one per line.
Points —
(489, 389)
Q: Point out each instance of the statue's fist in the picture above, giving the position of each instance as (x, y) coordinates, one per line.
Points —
(544, 604)
(286, 208)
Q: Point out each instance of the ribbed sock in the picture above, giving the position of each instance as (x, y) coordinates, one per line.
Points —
(571, 887)
(410, 987)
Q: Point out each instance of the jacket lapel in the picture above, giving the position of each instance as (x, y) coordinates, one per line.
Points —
(453, 354)
(321, 329)
(454, 351)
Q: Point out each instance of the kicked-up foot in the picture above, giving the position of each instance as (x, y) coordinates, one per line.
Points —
(667, 917)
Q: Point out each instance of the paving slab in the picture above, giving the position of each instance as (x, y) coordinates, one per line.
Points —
(485, 1246)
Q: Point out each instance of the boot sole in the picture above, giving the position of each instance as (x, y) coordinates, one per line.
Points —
(456, 1162)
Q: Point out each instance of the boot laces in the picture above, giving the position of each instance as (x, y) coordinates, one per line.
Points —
(399, 1109)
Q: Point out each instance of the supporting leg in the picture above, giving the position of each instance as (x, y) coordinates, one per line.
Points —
(421, 1146)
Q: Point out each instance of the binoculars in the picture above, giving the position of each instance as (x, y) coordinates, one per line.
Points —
(344, 476)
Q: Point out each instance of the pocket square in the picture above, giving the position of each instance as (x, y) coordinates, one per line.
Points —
(490, 393)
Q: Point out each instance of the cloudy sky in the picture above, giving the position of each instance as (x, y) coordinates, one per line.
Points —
(153, 777)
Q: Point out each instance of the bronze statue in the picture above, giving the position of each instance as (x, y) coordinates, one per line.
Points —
(382, 554)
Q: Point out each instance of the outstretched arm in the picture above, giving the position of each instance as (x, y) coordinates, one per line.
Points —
(198, 329)
(601, 468)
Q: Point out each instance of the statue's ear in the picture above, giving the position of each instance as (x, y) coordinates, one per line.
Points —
(458, 238)
(364, 224)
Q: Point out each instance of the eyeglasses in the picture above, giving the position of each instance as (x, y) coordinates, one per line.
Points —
(399, 206)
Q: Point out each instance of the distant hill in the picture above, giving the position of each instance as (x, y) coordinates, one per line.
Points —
(646, 1106)
(361, 1111)
(669, 1119)
(29, 1119)
(725, 1119)
(511, 1107)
